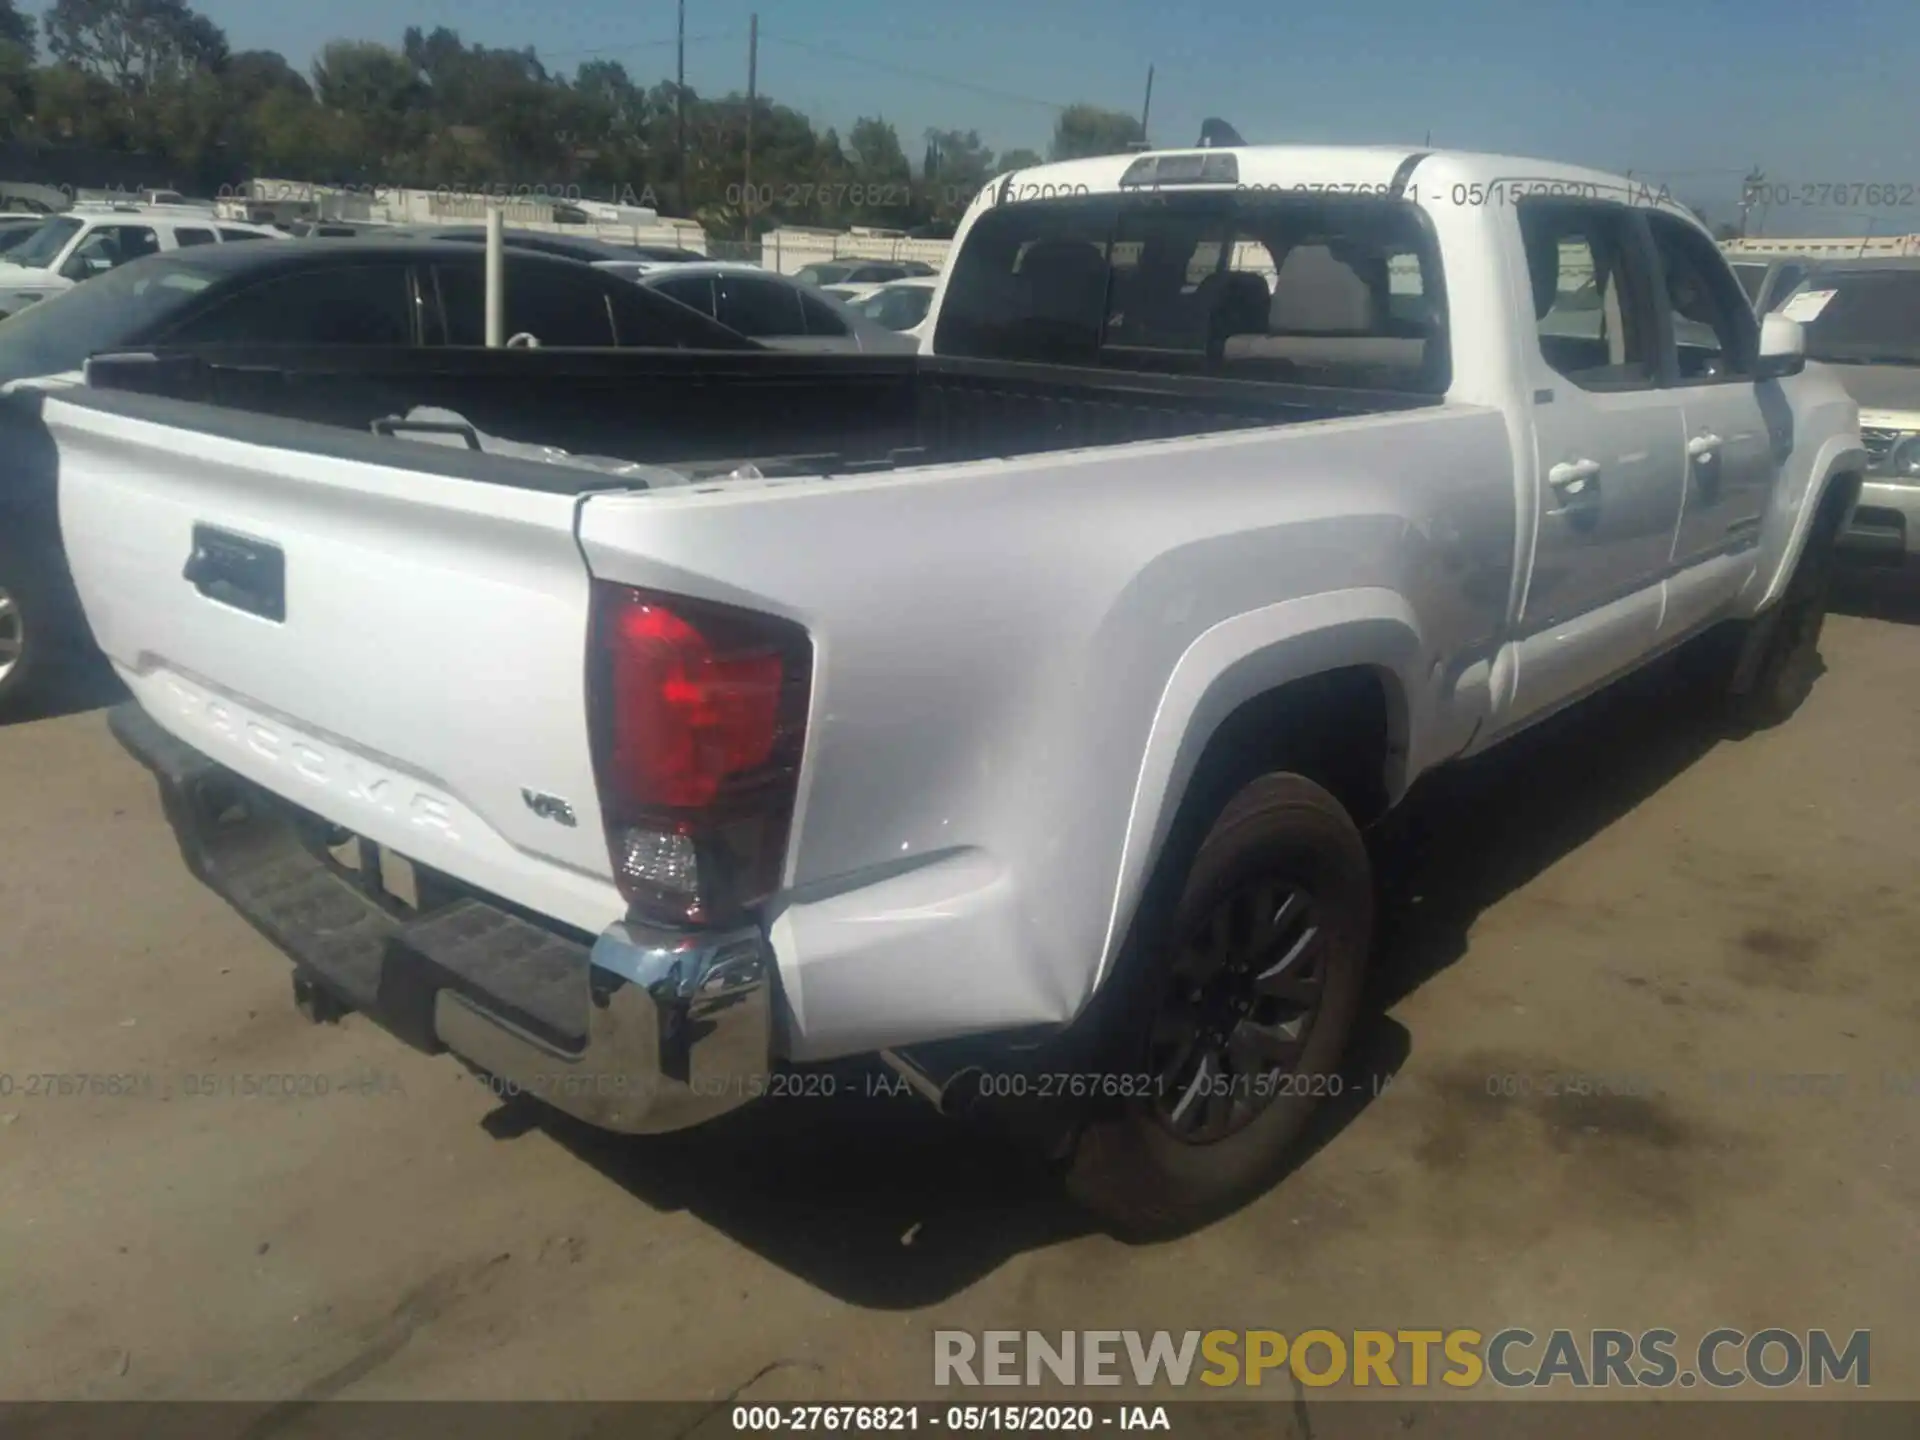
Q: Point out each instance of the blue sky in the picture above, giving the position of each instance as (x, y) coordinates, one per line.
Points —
(1695, 90)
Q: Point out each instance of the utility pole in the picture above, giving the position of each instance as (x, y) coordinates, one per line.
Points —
(1147, 108)
(680, 110)
(753, 75)
(1750, 189)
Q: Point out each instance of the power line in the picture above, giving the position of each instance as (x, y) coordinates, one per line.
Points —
(640, 45)
(914, 74)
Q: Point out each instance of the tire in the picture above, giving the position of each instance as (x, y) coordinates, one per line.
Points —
(22, 637)
(1165, 1161)
(1788, 638)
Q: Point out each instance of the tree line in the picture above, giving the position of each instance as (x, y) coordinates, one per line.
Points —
(158, 79)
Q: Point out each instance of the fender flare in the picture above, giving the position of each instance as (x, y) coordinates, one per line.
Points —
(1233, 662)
(1840, 455)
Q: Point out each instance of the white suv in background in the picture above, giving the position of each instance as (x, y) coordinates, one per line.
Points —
(90, 240)
(903, 306)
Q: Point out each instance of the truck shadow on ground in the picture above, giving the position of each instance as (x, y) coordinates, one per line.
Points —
(881, 1202)
(1475, 832)
(71, 685)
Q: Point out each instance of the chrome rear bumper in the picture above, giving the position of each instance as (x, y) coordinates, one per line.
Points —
(678, 1032)
(638, 1031)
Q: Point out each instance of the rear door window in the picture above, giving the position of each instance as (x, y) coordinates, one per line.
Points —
(106, 247)
(631, 314)
(644, 318)
(340, 305)
(187, 235)
(758, 308)
(556, 304)
(693, 290)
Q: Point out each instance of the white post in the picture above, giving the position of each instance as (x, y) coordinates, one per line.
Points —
(496, 279)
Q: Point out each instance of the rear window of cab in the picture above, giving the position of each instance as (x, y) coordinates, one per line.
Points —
(1305, 288)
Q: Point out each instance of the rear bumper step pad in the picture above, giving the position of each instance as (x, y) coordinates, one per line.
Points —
(639, 1031)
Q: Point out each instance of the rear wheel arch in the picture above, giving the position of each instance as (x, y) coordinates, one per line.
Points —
(1348, 727)
(1342, 728)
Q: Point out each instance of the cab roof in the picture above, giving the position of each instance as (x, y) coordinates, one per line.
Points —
(1355, 169)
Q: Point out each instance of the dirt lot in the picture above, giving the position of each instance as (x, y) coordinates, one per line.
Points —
(1624, 896)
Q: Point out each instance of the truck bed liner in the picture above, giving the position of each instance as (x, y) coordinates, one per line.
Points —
(786, 413)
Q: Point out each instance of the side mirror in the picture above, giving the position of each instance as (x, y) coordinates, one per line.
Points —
(76, 268)
(1783, 348)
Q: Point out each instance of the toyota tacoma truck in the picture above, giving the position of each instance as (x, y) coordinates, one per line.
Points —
(1011, 711)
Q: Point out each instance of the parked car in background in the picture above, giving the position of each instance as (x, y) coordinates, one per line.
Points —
(664, 255)
(15, 228)
(849, 294)
(899, 305)
(40, 200)
(340, 229)
(174, 197)
(1863, 318)
(775, 309)
(335, 292)
(587, 248)
(88, 241)
(636, 269)
(858, 272)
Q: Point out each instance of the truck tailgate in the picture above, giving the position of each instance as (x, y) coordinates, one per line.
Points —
(391, 646)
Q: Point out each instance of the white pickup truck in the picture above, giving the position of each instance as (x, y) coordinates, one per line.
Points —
(1020, 713)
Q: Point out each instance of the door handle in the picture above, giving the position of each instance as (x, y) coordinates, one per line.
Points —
(1703, 445)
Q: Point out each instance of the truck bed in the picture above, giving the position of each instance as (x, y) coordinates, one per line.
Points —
(707, 412)
(391, 636)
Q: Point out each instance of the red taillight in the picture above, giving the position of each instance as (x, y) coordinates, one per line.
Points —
(699, 715)
(684, 718)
